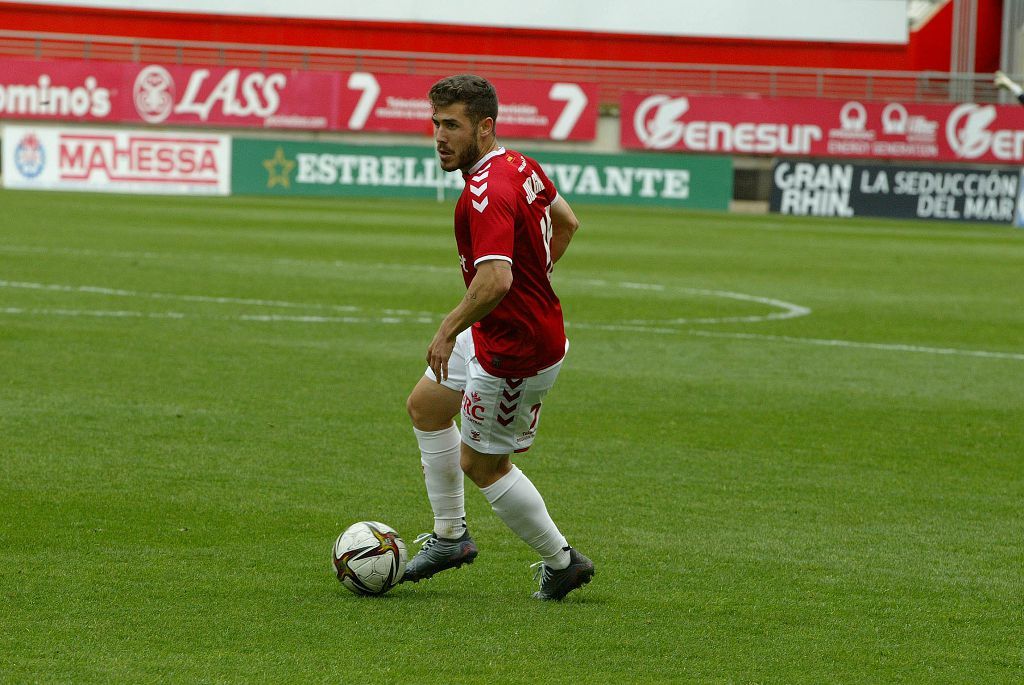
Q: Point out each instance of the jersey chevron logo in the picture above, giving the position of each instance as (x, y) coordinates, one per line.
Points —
(480, 189)
(509, 403)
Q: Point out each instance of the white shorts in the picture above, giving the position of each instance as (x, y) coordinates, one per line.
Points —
(499, 415)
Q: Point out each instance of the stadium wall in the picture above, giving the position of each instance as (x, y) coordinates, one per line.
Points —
(928, 48)
(752, 184)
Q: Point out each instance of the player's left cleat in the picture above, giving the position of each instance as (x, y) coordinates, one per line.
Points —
(556, 584)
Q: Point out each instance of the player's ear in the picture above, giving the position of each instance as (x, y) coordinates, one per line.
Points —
(486, 127)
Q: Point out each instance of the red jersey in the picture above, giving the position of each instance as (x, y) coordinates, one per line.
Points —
(504, 213)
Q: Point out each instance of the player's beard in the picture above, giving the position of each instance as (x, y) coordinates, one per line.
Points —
(462, 160)
(468, 157)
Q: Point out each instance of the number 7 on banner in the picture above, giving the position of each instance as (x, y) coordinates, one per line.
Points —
(575, 102)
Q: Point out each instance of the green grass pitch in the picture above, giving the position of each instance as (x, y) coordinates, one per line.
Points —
(793, 448)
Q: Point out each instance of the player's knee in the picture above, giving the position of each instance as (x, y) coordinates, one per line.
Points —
(424, 415)
(481, 477)
(469, 468)
(414, 407)
(484, 470)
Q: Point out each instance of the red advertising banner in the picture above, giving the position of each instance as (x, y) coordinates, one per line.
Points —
(527, 109)
(69, 90)
(823, 128)
(60, 91)
(154, 94)
(233, 97)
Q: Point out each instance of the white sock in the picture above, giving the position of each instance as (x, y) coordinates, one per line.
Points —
(517, 502)
(439, 456)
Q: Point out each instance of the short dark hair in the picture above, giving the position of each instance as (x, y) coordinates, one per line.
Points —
(476, 92)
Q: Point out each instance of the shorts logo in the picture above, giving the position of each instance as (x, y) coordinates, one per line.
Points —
(473, 408)
(525, 436)
(474, 436)
(509, 402)
(29, 156)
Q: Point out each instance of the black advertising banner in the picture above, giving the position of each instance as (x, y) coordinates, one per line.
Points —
(911, 192)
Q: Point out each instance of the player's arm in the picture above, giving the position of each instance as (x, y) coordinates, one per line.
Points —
(492, 281)
(563, 225)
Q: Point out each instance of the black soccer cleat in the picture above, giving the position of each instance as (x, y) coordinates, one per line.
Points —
(439, 554)
(556, 584)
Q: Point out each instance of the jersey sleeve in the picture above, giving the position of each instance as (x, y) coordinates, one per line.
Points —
(492, 218)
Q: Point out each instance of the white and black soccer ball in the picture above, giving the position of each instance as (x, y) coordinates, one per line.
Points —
(369, 558)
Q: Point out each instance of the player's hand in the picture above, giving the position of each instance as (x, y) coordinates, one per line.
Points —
(438, 354)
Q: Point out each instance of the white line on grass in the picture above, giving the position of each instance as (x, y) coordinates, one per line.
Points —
(398, 316)
(618, 328)
(223, 259)
(889, 347)
(333, 319)
(117, 292)
(104, 313)
(789, 310)
(130, 314)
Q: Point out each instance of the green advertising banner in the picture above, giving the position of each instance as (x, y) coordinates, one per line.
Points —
(288, 167)
(691, 181)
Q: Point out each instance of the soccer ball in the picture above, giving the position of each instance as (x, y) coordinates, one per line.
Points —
(369, 558)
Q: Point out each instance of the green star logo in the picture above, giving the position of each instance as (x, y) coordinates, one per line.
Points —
(279, 169)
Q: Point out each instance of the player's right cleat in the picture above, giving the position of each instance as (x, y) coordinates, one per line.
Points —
(439, 554)
(556, 584)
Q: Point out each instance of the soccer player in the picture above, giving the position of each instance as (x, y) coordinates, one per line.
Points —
(498, 352)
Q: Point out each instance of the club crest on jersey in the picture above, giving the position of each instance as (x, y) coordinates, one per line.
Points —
(533, 187)
(473, 408)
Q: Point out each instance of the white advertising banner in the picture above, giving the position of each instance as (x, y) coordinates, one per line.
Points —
(116, 161)
(848, 21)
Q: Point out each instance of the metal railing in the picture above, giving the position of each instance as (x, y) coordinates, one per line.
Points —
(612, 78)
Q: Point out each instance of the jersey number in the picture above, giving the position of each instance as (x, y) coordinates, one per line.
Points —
(545, 234)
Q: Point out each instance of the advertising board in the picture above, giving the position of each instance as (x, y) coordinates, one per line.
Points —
(116, 161)
(267, 167)
(527, 109)
(803, 127)
(813, 188)
(180, 95)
